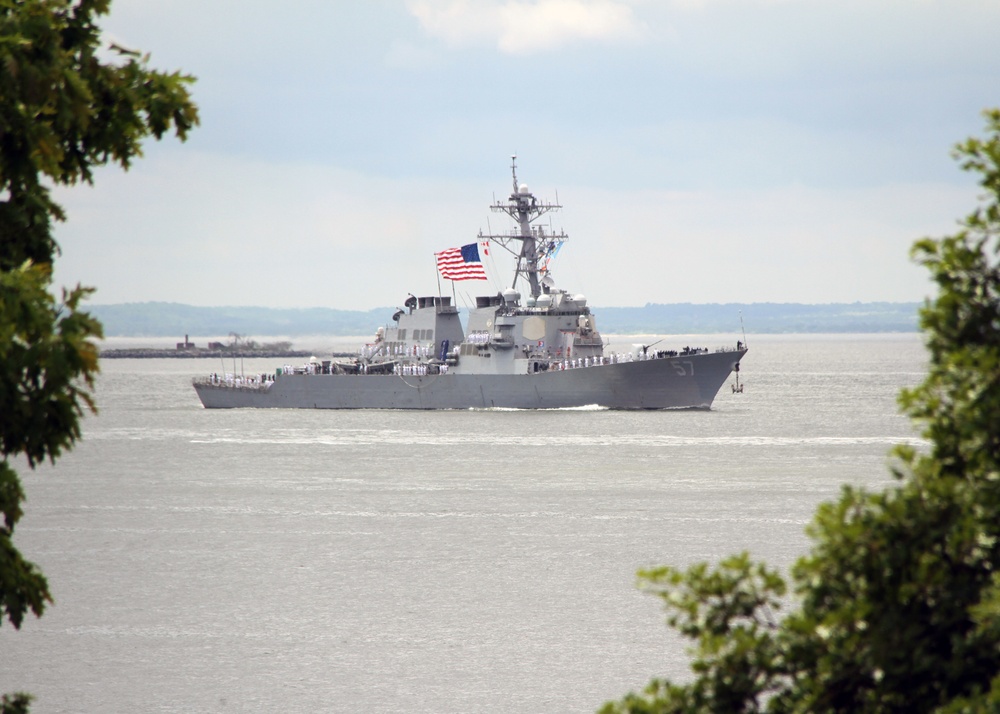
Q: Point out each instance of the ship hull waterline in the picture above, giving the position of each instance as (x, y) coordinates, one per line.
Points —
(683, 382)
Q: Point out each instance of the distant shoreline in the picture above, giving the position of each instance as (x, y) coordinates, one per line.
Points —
(342, 349)
(166, 353)
(139, 320)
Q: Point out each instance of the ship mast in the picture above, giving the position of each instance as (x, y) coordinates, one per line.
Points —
(523, 207)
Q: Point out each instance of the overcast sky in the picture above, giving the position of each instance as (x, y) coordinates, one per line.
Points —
(703, 150)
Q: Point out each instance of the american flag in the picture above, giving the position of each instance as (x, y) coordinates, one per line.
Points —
(461, 263)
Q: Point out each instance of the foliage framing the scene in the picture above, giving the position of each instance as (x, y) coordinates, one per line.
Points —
(67, 106)
(898, 601)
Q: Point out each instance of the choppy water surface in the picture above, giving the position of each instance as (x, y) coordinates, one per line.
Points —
(304, 561)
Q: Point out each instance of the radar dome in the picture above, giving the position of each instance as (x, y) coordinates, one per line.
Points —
(511, 296)
(523, 189)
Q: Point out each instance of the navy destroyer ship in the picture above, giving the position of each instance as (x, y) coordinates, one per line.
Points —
(536, 350)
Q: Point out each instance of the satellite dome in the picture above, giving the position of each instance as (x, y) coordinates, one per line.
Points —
(523, 189)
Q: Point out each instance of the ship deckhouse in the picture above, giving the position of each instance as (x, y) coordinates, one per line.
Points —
(529, 346)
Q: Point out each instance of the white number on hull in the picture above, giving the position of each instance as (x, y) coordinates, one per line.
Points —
(683, 371)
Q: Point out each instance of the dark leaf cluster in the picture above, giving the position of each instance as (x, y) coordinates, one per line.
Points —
(898, 601)
(65, 109)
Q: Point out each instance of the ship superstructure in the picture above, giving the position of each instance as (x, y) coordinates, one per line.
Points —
(539, 349)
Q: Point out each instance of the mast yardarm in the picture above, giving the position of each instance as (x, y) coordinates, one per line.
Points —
(536, 245)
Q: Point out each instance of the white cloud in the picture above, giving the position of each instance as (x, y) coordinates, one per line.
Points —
(519, 27)
(786, 244)
(409, 56)
(701, 4)
(748, 150)
(205, 229)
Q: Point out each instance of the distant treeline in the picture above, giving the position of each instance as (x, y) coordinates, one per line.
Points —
(167, 319)
(772, 318)
(161, 319)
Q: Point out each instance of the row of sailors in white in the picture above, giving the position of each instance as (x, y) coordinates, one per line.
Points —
(399, 350)
(580, 362)
(406, 370)
(415, 370)
(614, 358)
(478, 338)
(311, 368)
(237, 380)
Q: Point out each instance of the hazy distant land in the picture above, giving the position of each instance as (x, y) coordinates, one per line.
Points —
(162, 319)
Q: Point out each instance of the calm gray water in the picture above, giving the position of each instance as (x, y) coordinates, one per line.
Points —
(304, 561)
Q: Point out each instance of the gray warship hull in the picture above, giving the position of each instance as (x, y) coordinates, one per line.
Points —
(683, 382)
(540, 350)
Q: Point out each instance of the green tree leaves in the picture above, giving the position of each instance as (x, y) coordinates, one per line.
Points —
(898, 601)
(63, 112)
(48, 348)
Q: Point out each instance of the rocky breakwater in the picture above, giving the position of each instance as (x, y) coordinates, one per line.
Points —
(153, 353)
